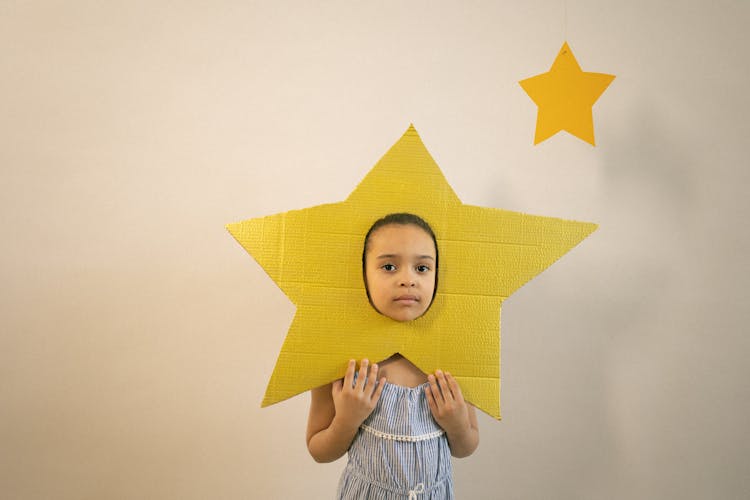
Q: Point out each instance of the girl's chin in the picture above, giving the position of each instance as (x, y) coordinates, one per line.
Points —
(405, 315)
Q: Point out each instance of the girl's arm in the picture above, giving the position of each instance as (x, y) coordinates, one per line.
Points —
(457, 418)
(338, 409)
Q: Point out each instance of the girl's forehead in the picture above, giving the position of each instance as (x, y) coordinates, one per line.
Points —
(401, 234)
(400, 229)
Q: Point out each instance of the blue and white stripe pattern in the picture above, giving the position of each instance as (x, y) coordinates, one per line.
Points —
(400, 452)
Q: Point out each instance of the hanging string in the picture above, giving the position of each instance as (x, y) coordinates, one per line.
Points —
(565, 20)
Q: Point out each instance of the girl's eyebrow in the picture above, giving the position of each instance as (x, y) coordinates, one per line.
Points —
(395, 256)
(388, 256)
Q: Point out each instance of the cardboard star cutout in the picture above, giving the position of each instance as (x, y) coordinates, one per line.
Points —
(314, 255)
(565, 96)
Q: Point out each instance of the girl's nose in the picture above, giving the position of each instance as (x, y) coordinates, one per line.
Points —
(407, 280)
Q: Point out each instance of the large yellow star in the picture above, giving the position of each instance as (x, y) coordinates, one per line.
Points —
(565, 96)
(314, 256)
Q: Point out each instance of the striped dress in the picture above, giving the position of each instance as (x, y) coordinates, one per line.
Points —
(399, 452)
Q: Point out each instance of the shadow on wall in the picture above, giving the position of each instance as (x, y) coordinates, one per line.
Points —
(648, 219)
(648, 301)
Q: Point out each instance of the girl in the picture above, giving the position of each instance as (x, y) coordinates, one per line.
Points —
(400, 430)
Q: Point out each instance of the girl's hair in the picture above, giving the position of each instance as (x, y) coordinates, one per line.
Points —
(403, 219)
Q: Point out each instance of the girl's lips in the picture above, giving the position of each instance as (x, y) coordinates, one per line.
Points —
(407, 298)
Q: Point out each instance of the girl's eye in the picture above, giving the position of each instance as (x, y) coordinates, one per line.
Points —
(388, 267)
(422, 268)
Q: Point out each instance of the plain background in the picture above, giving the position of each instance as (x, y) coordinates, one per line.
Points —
(137, 337)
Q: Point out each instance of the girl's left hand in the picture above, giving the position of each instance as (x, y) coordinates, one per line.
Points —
(447, 403)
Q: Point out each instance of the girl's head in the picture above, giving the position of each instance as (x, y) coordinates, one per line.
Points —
(400, 264)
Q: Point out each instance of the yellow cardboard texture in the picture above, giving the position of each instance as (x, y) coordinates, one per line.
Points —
(314, 256)
(565, 96)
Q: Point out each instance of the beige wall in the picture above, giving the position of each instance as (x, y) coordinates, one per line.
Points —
(136, 337)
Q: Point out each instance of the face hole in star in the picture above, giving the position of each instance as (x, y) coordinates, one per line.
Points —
(400, 266)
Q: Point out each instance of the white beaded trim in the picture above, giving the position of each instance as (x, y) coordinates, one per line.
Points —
(399, 437)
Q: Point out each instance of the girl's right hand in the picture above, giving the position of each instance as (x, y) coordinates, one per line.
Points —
(354, 401)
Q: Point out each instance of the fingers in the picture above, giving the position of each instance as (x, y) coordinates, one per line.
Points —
(454, 387)
(378, 390)
(441, 387)
(435, 394)
(349, 375)
(431, 402)
(372, 378)
(361, 378)
(445, 387)
(367, 383)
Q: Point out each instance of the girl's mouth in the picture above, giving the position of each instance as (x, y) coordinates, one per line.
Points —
(407, 298)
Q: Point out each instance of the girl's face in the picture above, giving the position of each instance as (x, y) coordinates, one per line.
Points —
(400, 271)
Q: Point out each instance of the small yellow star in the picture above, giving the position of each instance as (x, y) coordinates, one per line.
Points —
(314, 256)
(565, 96)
